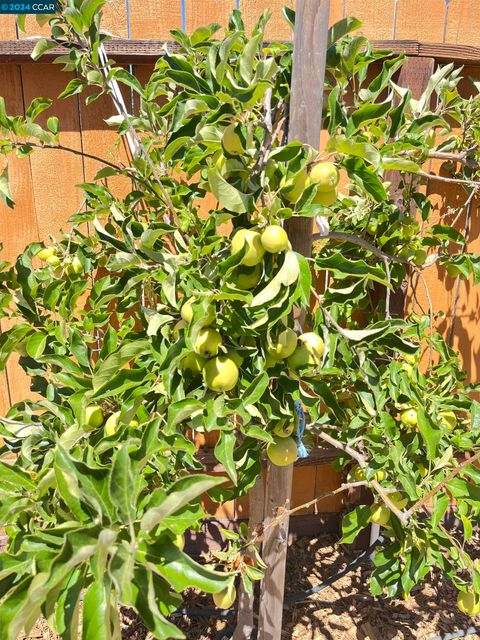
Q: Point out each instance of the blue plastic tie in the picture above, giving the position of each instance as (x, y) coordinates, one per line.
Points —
(302, 449)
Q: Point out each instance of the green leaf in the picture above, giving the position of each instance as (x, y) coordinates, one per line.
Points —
(116, 361)
(287, 275)
(353, 522)
(475, 418)
(180, 494)
(74, 86)
(367, 178)
(341, 29)
(365, 114)
(36, 107)
(10, 608)
(122, 485)
(430, 434)
(89, 8)
(247, 57)
(36, 345)
(181, 571)
(12, 475)
(96, 619)
(400, 164)
(227, 195)
(123, 76)
(80, 483)
(224, 453)
(67, 608)
(147, 602)
(41, 47)
(183, 410)
(362, 150)
(5, 189)
(342, 266)
(440, 505)
(305, 279)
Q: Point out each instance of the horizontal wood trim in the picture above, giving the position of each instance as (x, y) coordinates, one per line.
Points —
(147, 51)
(318, 456)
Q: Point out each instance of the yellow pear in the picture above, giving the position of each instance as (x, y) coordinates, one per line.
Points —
(255, 251)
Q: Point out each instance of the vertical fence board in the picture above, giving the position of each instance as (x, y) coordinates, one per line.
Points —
(18, 226)
(115, 18)
(154, 18)
(441, 287)
(277, 27)
(7, 28)
(98, 139)
(463, 25)
(376, 24)
(304, 483)
(54, 173)
(207, 11)
(327, 479)
(337, 11)
(418, 21)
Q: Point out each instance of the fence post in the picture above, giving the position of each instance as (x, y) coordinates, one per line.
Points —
(305, 123)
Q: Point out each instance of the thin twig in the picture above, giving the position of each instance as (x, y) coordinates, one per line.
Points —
(387, 294)
(356, 455)
(61, 147)
(465, 205)
(457, 284)
(334, 323)
(435, 176)
(454, 157)
(430, 309)
(122, 111)
(441, 484)
(361, 242)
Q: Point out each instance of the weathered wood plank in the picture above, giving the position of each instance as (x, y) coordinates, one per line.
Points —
(246, 602)
(154, 18)
(137, 51)
(305, 123)
(277, 27)
(18, 226)
(418, 21)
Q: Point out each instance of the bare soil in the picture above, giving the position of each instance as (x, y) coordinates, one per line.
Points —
(344, 611)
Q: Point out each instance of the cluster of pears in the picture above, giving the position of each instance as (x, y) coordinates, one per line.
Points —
(70, 264)
(272, 239)
(446, 417)
(324, 175)
(220, 371)
(95, 418)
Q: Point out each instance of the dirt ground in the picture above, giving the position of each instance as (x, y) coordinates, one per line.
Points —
(345, 611)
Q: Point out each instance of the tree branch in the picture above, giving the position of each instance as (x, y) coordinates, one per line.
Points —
(441, 484)
(61, 147)
(454, 157)
(356, 455)
(361, 242)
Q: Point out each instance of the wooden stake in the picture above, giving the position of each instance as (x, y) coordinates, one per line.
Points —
(305, 123)
(256, 503)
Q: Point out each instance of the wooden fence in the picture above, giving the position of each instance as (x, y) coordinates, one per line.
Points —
(44, 189)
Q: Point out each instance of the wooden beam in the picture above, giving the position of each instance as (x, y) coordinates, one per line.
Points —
(246, 602)
(317, 456)
(148, 51)
(305, 123)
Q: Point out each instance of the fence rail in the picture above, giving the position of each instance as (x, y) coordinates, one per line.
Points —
(126, 51)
